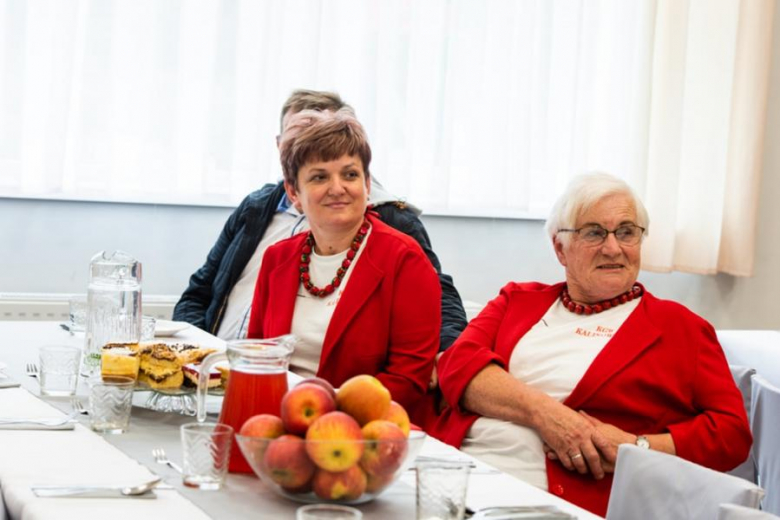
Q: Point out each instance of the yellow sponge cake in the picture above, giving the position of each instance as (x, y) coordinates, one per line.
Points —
(120, 359)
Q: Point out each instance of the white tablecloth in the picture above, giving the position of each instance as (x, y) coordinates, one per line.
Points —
(82, 456)
(71, 457)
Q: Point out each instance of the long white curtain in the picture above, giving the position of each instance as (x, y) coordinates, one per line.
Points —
(706, 134)
(473, 107)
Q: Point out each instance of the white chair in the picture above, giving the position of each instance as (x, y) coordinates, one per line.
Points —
(765, 425)
(743, 379)
(649, 485)
(735, 512)
(759, 349)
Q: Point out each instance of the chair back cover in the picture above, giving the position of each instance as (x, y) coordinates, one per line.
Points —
(742, 377)
(649, 485)
(735, 512)
(759, 349)
(765, 425)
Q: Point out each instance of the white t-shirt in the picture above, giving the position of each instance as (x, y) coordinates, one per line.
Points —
(312, 314)
(236, 318)
(552, 357)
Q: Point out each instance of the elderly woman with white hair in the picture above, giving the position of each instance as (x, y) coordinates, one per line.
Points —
(574, 369)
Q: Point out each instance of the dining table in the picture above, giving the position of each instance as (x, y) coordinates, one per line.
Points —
(79, 456)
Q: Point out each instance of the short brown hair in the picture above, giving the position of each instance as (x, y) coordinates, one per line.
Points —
(321, 136)
(303, 99)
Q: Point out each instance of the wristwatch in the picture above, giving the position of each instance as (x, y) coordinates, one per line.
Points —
(642, 442)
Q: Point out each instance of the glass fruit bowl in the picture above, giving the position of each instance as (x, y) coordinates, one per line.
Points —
(343, 472)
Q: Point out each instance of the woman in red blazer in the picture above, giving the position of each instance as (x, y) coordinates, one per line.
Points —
(361, 297)
(548, 380)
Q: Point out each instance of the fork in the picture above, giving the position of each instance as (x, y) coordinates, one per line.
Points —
(78, 407)
(32, 370)
(161, 458)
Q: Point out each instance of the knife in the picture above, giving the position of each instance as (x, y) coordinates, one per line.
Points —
(7, 382)
(86, 492)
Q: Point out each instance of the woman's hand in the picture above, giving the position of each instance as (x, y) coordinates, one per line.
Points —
(572, 439)
(614, 436)
(609, 438)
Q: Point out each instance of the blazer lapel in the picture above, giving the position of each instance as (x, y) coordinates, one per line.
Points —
(636, 335)
(282, 292)
(363, 281)
(525, 312)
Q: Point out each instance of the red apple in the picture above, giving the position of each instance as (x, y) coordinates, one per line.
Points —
(304, 404)
(376, 483)
(265, 426)
(286, 462)
(363, 397)
(344, 485)
(396, 414)
(335, 442)
(385, 450)
(322, 382)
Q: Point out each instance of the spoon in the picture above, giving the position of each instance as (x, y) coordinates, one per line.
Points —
(140, 489)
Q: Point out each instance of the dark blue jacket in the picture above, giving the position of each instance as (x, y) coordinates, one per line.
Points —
(203, 303)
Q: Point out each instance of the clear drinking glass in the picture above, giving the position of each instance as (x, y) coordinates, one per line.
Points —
(206, 449)
(441, 489)
(59, 369)
(327, 512)
(110, 403)
(77, 314)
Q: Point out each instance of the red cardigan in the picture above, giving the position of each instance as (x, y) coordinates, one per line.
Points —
(386, 323)
(663, 371)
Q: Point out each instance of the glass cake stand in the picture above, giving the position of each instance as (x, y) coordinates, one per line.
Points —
(174, 400)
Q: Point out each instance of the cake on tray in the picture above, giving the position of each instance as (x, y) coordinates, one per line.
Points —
(158, 365)
(120, 359)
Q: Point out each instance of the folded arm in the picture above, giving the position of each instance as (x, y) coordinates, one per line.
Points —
(615, 437)
(718, 437)
(576, 442)
(473, 379)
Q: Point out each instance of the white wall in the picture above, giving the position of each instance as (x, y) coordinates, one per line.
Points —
(46, 246)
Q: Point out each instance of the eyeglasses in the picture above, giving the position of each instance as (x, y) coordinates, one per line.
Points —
(593, 234)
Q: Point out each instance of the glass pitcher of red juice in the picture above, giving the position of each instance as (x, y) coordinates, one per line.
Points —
(257, 383)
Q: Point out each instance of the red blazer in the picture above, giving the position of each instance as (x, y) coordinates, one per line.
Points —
(663, 371)
(386, 323)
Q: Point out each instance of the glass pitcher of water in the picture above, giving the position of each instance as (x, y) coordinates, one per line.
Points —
(113, 305)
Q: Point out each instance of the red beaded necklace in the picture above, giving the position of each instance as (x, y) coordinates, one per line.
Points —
(584, 308)
(308, 247)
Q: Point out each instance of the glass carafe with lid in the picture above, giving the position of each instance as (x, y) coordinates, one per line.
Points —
(113, 305)
(256, 384)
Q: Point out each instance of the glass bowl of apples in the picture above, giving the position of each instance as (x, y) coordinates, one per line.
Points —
(344, 447)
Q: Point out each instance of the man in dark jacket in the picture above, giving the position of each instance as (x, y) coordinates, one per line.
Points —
(219, 295)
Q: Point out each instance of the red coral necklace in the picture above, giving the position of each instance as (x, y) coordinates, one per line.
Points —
(584, 308)
(308, 247)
